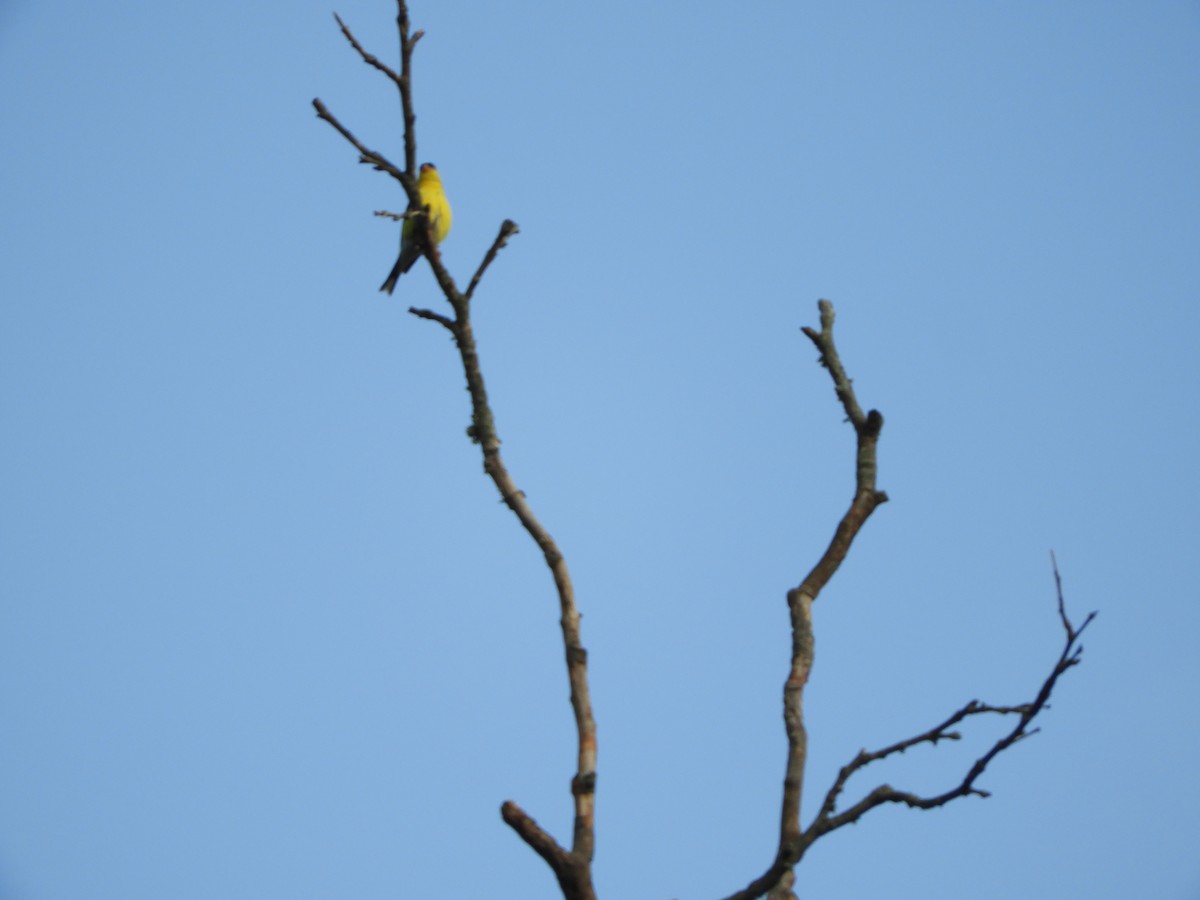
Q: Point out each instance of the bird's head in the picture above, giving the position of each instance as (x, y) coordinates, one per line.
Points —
(429, 172)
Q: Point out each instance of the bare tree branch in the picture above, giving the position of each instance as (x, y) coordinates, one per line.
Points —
(573, 867)
(800, 600)
(793, 842)
(783, 890)
(403, 82)
(573, 872)
(448, 324)
(369, 157)
(407, 43)
(368, 58)
(507, 229)
(483, 432)
(826, 821)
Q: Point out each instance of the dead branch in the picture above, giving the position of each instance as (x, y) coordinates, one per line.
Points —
(793, 842)
(826, 821)
(370, 157)
(368, 58)
(407, 43)
(445, 322)
(507, 229)
(573, 867)
(800, 600)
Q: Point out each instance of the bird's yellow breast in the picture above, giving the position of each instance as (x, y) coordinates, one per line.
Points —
(429, 186)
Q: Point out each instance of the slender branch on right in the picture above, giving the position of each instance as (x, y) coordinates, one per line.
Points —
(1070, 656)
(793, 842)
(800, 599)
(507, 229)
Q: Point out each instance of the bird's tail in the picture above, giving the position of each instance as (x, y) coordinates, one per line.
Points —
(389, 283)
(409, 254)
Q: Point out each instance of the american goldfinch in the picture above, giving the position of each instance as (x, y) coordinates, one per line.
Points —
(429, 185)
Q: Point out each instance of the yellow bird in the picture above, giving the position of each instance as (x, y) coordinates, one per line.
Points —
(429, 186)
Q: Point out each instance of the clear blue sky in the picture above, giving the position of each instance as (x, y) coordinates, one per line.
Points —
(267, 632)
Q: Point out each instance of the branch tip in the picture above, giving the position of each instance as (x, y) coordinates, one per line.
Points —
(507, 229)
(429, 314)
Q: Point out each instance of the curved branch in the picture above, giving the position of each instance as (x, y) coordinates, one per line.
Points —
(1070, 656)
(583, 785)
(800, 600)
(826, 820)
(572, 868)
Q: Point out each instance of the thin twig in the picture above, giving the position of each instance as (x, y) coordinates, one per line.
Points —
(404, 83)
(1027, 712)
(367, 156)
(830, 359)
(448, 324)
(939, 732)
(1062, 609)
(826, 820)
(507, 228)
(368, 58)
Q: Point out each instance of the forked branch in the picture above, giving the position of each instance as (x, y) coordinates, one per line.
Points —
(793, 842)
(571, 867)
(1071, 654)
(800, 599)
